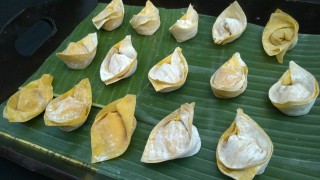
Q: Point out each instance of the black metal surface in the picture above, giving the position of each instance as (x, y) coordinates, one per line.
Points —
(17, 64)
(16, 18)
(26, 44)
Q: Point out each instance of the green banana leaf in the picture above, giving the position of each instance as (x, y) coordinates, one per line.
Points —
(296, 139)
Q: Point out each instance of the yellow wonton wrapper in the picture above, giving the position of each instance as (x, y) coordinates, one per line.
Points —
(244, 149)
(280, 34)
(147, 22)
(79, 55)
(30, 100)
(229, 25)
(112, 129)
(295, 92)
(170, 73)
(230, 80)
(120, 62)
(111, 17)
(187, 26)
(70, 110)
(173, 137)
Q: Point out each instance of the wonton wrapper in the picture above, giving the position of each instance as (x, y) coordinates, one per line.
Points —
(230, 80)
(187, 26)
(244, 149)
(280, 34)
(71, 109)
(147, 22)
(119, 63)
(173, 137)
(111, 17)
(80, 54)
(112, 129)
(170, 73)
(229, 25)
(30, 100)
(295, 92)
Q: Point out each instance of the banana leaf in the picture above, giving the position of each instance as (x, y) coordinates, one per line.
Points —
(296, 139)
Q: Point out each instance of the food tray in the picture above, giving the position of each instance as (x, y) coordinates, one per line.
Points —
(296, 139)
